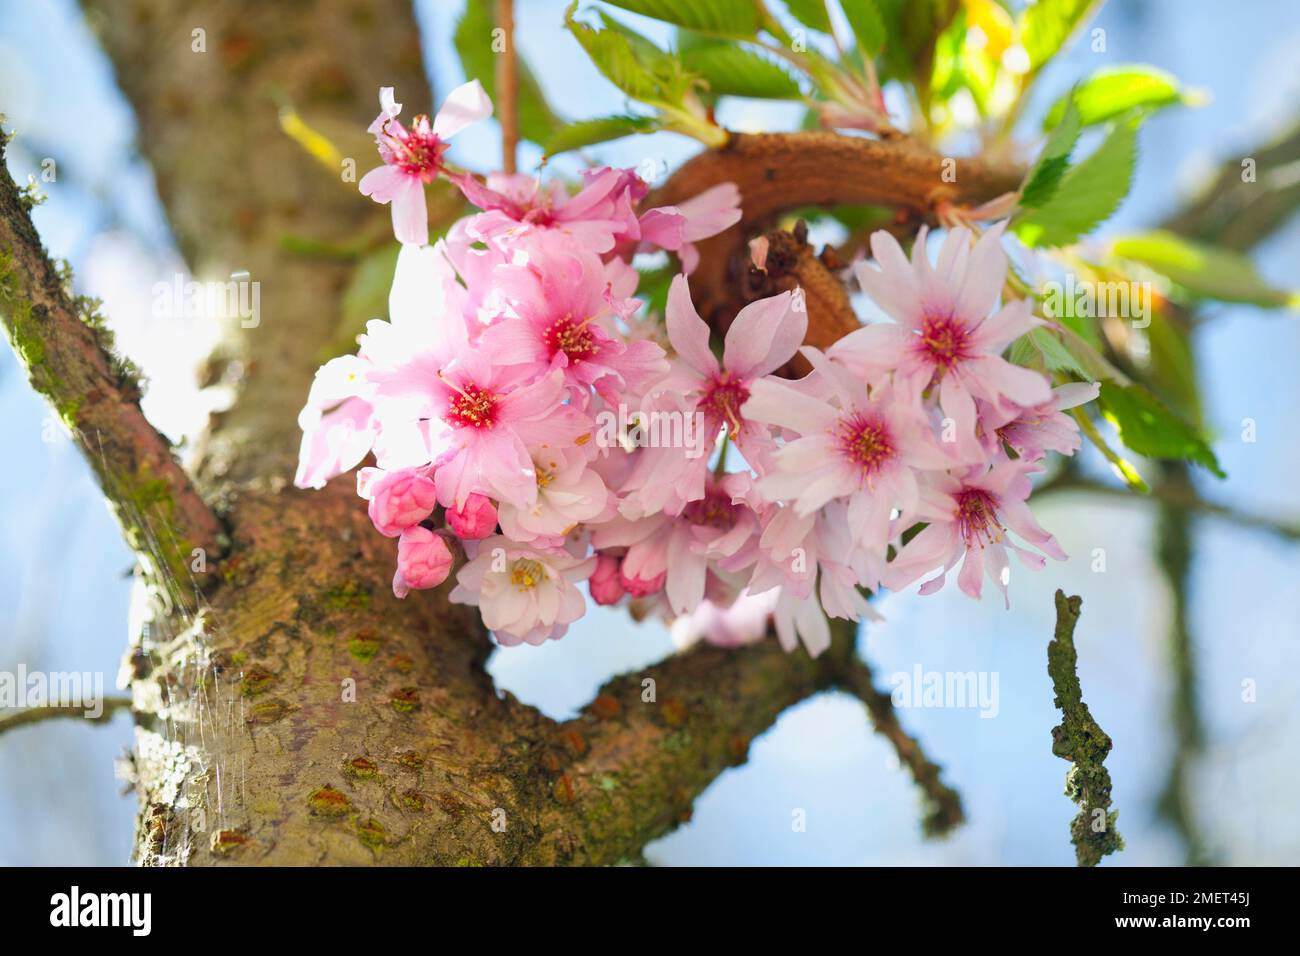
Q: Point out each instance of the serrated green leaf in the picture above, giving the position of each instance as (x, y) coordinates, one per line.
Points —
(1203, 270)
(811, 13)
(908, 30)
(473, 42)
(1087, 194)
(729, 18)
(1149, 428)
(613, 54)
(1042, 180)
(1114, 91)
(601, 129)
(1057, 354)
(1172, 373)
(1124, 468)
(733, 71)
(1046, 25)
(650, 55)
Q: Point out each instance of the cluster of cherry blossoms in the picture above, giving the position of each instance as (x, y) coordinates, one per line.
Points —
(532, 430)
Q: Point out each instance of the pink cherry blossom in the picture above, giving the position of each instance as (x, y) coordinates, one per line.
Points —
(599, 216)
(423, 561)
(525, 594)
(478, 519)
(398, 499)
(565, 306)
(862, 447)
(763, 337)
(1033, 432)
(568, 493)
(604, 584)
(413, 157)
(338, 422)
(709, 538)
(942, 336)
(485, 417)
(678, 228)
(969, 520)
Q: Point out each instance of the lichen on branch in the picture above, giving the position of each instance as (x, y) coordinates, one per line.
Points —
(61, 341)
(1080, 740)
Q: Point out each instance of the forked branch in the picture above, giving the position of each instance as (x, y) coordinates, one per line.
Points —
(67, 353)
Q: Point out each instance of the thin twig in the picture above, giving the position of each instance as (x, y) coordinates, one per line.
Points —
(34, 715)
(1080, 740)
(943, 810)
(507, 86)
(1184, 496)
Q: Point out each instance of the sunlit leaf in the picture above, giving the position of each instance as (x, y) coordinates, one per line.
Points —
(811, 13)
(1047, 24)
(730, 18)
(1087, 193)
(1114, 91)
(733, 71)
(867, 25)
(598, 130)
(1045, 176)
(1151, 429)
(1203, 270)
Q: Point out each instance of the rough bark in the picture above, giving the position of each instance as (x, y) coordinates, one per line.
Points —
(780, 172)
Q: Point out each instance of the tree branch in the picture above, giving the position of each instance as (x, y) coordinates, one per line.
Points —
(943, 809)
(791, 264)
(1080, 740)
(779, 172)
(1237, 212)
(639, 763)
(67, 352)
(507, 86)
(34, 715)
(1182, 495)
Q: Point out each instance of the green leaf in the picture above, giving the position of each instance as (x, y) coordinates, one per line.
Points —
(728, 18)
(1042, 180)
(365, 297)
(598, 130)
(1205, 271)
(811, 13)
(1149, 428)
(612, 53)
(733, 71)
(473, 42)
(907, 31)
(1086, 194)
(1055, 353)
(1045, 26)
(1114, 91)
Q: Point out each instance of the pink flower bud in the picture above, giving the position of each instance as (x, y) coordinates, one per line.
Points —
(604, 583)
(476, 520)
(642, 587)
(423, 561)
(398, 499)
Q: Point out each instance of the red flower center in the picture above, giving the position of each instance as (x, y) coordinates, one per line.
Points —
(574, 339)
(714, 510)
(721, 401)
(977, 518)
(944, 340)
(417, 151)
(866, 442)
(472, 407)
